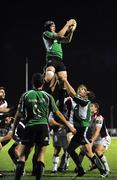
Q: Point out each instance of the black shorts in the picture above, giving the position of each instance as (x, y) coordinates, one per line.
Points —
(36, 135)
(82, 136)
(57, 63)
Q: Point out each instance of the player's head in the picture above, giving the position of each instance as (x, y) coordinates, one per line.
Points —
(37, 80)
(8, 119)
(2, 92)
(82, 90)
(48, 25)
(94, 108)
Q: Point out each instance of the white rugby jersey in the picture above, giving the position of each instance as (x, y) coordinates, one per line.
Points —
(97, 120)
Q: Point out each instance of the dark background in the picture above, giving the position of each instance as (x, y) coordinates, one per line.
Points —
(90, 58)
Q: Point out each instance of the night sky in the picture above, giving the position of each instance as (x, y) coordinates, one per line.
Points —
(91, 57)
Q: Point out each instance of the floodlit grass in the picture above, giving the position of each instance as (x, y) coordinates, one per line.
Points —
(7, 166)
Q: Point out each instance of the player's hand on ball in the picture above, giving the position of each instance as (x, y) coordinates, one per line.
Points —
(71, 22)
(73, 27)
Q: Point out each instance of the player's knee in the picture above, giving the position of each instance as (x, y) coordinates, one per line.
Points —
(49, 75)
(99, 153)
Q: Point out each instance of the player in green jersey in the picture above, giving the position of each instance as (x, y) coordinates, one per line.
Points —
(34, 106)
(54, 52)
(81, 121)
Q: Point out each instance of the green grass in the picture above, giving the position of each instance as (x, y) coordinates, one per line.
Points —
(7, 166)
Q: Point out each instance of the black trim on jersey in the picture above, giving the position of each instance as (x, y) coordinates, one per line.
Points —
(80, 101)
(103, 130)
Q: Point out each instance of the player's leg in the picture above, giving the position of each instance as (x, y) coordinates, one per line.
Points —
(61, 75)
(24, 150)
(50, 79)
(64, 158)
(55, 159)
(12, 153)
(49, 73)
(74, 155)
(42, 140)
(40, 165)
(100, 150)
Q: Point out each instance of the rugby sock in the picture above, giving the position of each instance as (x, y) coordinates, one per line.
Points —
(34, 159)
(62, 163)
(95, 160)
(67, 160)
(104, 161)
(39, 170)
(61, 97)
(12, 154)
(76, 160)
(81, 156)
(19, 170)
(55, 163)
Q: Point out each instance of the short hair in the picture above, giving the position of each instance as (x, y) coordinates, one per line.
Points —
(2, 88)
(81, 86)
(37, 80)
(48, 24)
(96, 106)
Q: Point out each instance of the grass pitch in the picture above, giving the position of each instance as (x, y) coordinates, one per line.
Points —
(7, 166)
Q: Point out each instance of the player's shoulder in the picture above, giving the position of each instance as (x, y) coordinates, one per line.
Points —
(99, 119)
(48, 34)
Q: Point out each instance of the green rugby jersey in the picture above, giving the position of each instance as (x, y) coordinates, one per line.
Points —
(52, 45)
(82, 113)
(36, 106)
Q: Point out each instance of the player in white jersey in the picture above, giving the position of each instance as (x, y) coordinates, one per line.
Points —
(69, 106)
(62, 136)
(100, 138)
(3, 102)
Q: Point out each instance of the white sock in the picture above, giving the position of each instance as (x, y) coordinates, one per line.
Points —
(55, 162)
(105, 163)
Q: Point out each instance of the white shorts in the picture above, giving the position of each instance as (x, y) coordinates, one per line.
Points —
(105, 141)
